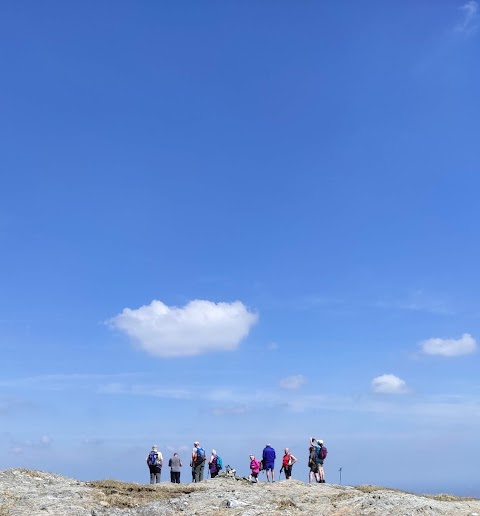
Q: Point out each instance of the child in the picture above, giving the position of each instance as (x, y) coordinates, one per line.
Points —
(255, 469)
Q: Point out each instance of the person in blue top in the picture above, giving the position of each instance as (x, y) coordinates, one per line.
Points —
(317, 446)
(269, 457)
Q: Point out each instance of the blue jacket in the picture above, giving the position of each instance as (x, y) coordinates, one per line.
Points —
(268, 455)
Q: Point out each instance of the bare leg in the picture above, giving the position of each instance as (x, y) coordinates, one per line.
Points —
(321, 473)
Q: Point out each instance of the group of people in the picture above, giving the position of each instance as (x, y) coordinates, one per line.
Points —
(267, 464)
(317, 454)
(197, 463)
(155, 463)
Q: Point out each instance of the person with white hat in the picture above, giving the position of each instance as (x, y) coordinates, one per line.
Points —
(320, 454)
(154, 463)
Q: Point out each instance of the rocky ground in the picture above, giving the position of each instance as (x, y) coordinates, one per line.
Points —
(25, 492)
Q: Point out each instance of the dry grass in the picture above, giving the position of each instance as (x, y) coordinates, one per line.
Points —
(449, 498)
(285, 504)
(367, 488)
(4, 510)
(127, 495)
(29, 472)
(340, 497)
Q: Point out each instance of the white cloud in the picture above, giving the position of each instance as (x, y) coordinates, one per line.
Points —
(292, 382)
(470, 13)
(389, 384)
(449, 347)
(198, 327)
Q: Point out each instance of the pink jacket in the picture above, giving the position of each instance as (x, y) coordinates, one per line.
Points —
(255, 466)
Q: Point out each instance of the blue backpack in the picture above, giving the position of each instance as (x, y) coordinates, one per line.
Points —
(200, 454)
(152, 458)
(219, 463)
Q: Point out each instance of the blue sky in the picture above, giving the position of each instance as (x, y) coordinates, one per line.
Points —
(241, 222)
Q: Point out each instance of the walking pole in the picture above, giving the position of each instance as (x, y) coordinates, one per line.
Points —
(340, 471)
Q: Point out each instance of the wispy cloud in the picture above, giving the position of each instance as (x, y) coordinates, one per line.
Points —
(292, 382)
(417, 301)
(421, 301)
(26, 447)
(146, 390)
(469, 22)
(389, 384)
(60, 382)
(230, 411)
(465, 345)
(198, 327)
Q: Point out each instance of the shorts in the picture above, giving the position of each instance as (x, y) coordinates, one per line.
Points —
(268, 467)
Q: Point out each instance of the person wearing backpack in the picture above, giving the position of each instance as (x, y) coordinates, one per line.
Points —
(215, 464)
(154, 463)
(175, 464)
(320, 455)
(198, 461)
(287, 462)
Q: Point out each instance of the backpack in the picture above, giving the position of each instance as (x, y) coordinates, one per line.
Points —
(322, 452)
(219, 463)
(286, 460)
(200, 454)
(153, 458)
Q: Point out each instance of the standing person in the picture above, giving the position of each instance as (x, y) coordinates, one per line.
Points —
(269, 456)
(175, 464)
(312, 464)
(214, 464)
(287, 462)
(154, 462)
(320, 454)
(254, 468)
(198, 461)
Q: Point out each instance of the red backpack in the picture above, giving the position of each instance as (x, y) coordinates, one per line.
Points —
(286, 460)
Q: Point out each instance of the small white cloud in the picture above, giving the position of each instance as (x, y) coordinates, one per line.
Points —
(272, 346)
(470, 14)
(465, 345)
(292, 382)
(198, 327)
(389, 384)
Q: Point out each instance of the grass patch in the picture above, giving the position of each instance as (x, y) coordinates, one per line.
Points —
(285, 504)
(128, 495)
(4, 510)
(367, 488)
(340, 497)
(449, 498)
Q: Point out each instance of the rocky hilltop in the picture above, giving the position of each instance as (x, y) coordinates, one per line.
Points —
(25, 492)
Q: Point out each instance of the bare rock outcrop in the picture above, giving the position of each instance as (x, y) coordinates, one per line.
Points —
(25, 492)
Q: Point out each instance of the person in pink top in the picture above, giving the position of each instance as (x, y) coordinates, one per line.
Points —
(255, 469)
